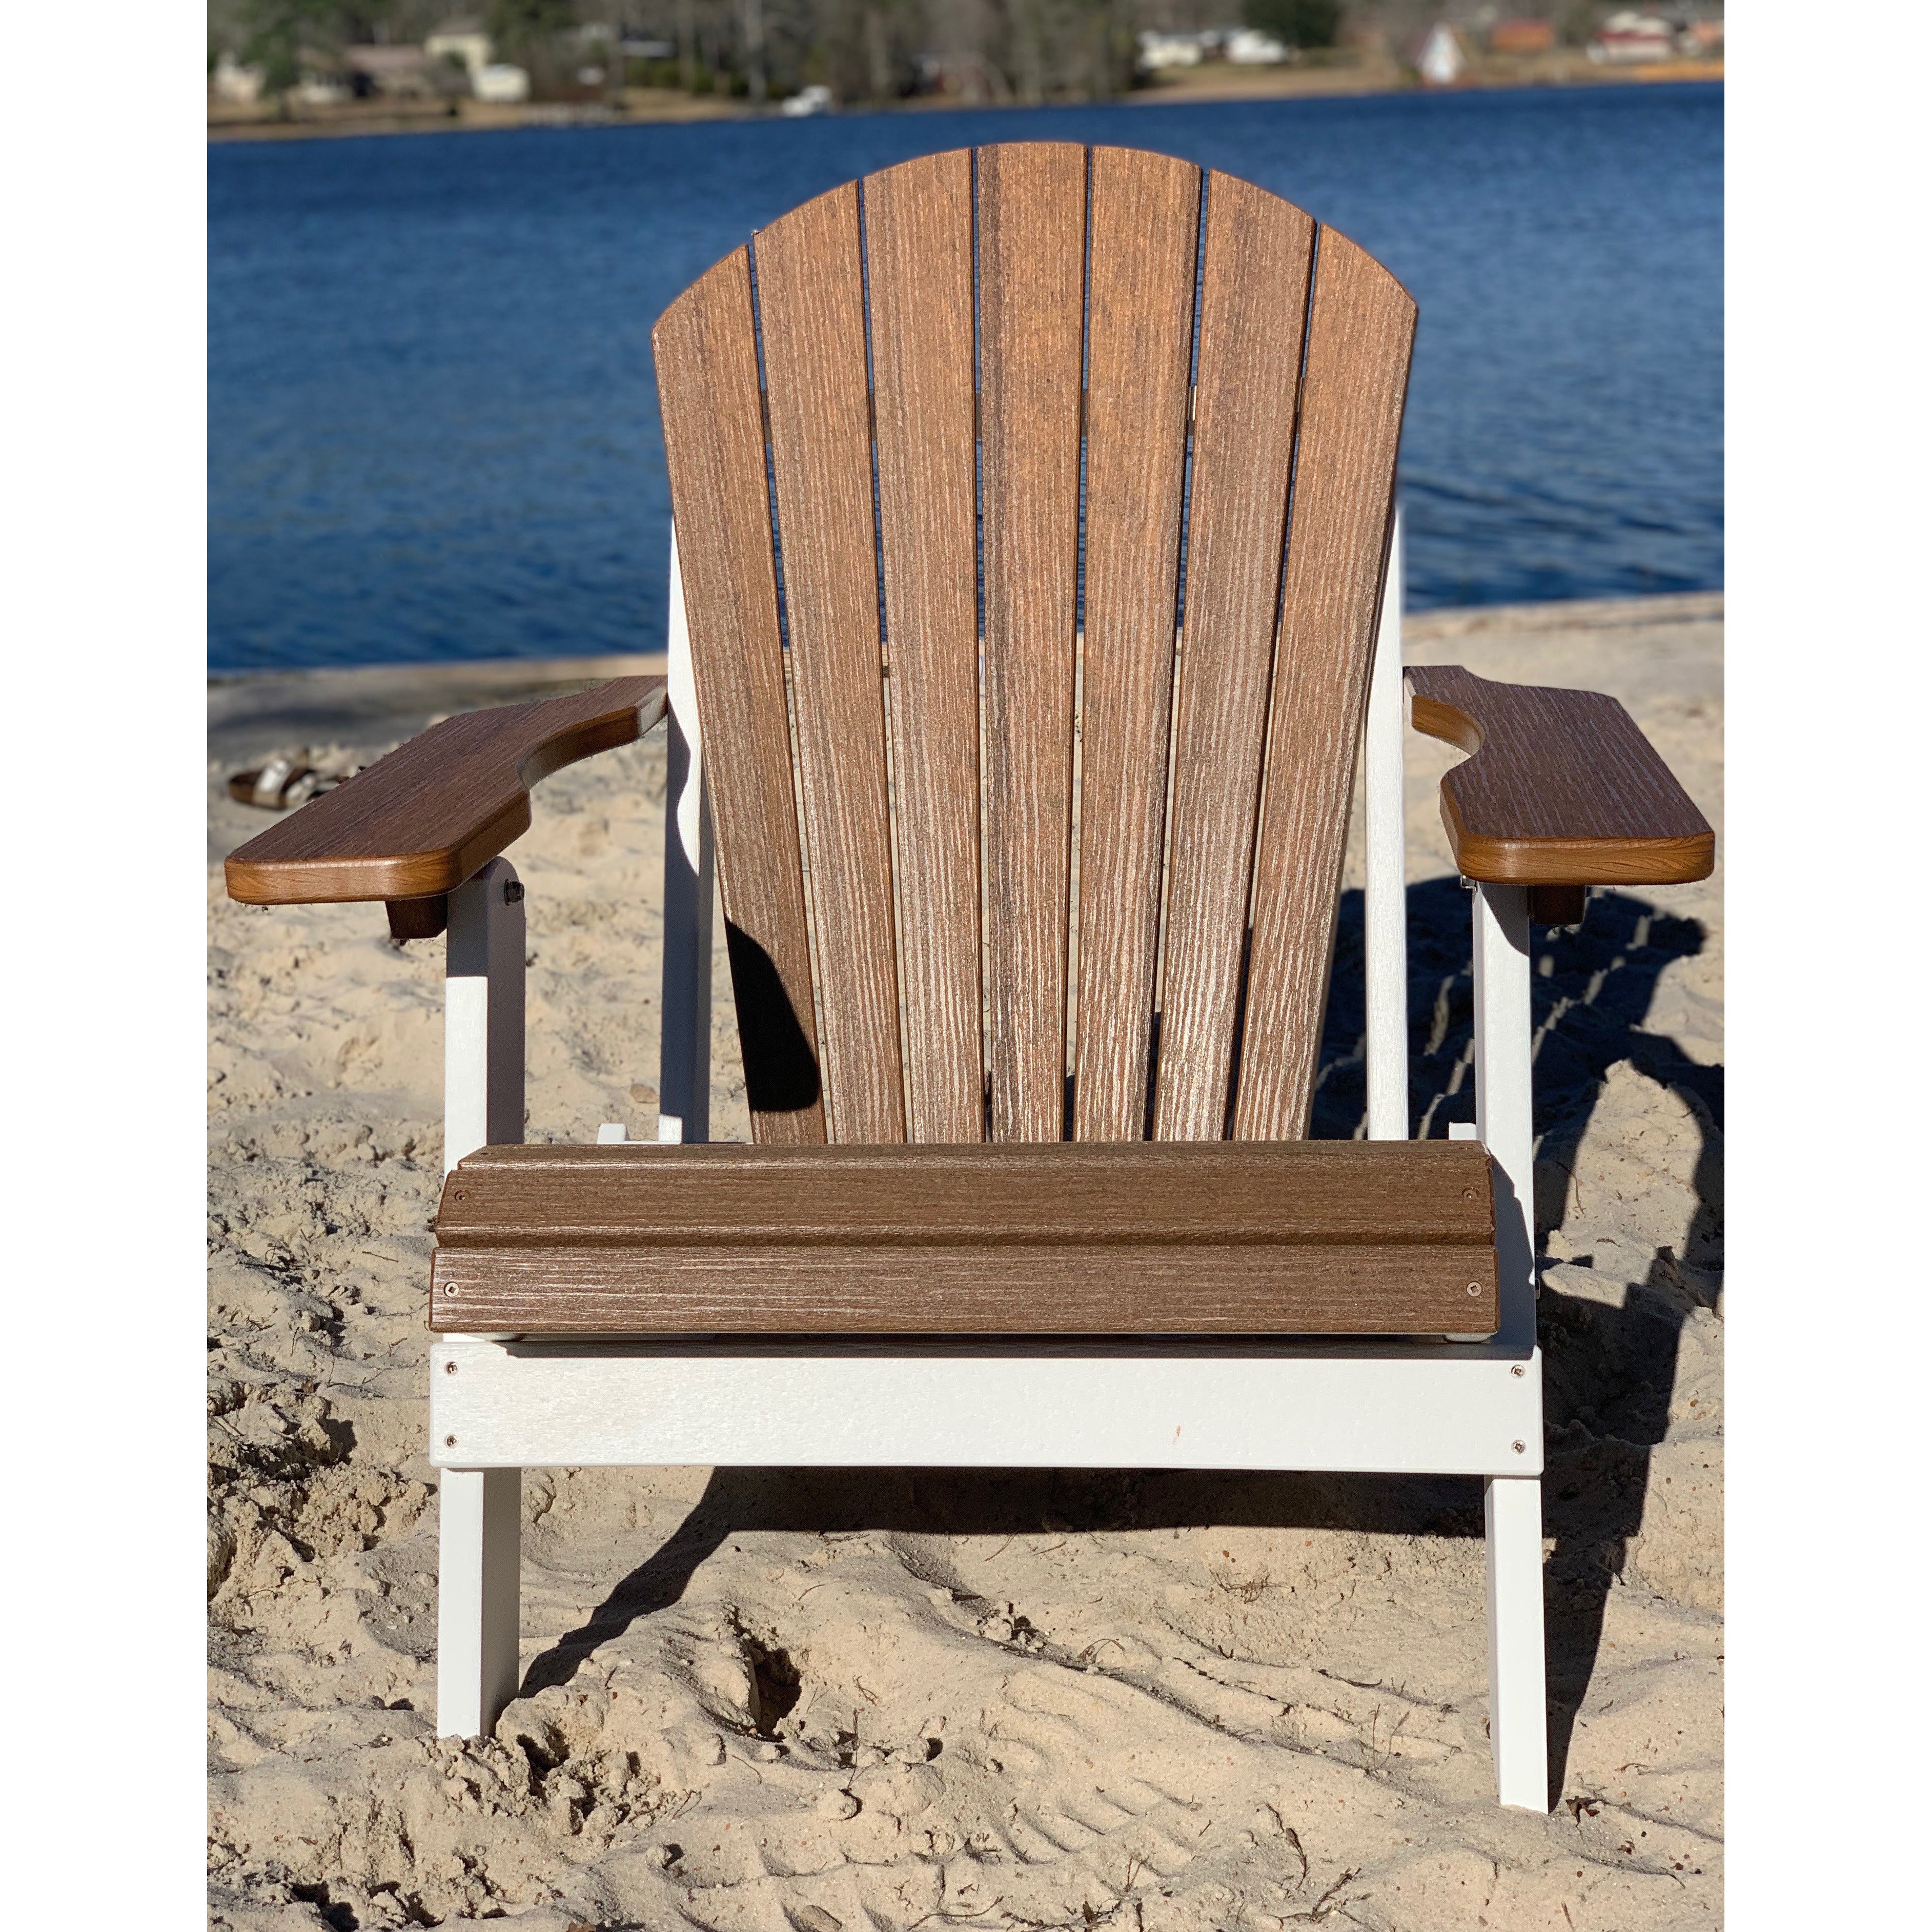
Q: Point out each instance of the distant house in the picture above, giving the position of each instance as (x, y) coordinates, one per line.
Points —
(400, 73)
(1251, 48)
(1158, 51)
(232, 82)
(457, 41)
(1626, 38)
(501, 82)
(1522, 37)
(1439, 59)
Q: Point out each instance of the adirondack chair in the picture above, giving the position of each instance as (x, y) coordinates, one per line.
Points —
(1034, 576)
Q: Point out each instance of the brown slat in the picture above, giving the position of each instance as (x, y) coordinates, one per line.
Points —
(1254, 285)
(1143, 213)
(1203, 1193)
(1361, 327)
(1561, 788)
(970, 1290)
(1032, 223)
(811, 308)
(421, 819)
(919, 242)
(714, 444)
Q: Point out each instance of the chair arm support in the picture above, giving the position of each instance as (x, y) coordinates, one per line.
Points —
(1561, 788)
(425, 818)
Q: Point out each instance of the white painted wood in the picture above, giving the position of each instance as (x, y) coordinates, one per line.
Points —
(1519, 1721)
(1385, 907)
(1430, 1408)
(611, 1133)
(477, 1591)
(1500, 920)
(684, 1067)
(483, 1015)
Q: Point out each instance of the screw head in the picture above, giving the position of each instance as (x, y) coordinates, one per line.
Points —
(449, 1369)
(1475, 1287)
(1517, 1446)
(513, 891)
(449, 1288)
(1517, 1370)
(449, 1442)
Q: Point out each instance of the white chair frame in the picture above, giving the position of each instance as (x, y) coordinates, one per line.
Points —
(1470, 1407)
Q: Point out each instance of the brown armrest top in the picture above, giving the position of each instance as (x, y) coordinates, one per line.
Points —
(421, 820)
(1561, 788)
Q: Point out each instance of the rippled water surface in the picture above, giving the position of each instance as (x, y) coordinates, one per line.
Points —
(434, 431)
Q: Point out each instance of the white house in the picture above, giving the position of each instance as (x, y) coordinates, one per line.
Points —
(1252, 48)
(1627, 38)
(1440, 60)
(1158, 51)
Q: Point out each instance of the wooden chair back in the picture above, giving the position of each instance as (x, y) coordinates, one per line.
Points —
(1032, 504)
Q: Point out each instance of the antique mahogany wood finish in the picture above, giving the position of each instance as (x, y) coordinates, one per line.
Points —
(1355, 1237)
(1254, 293)
(708, 389)
(811, 304)
(1032, 210)
(919, 242)
(421, 820)
(1361, 327)
(1561, 787)
(1086, 267)
(1144, 215)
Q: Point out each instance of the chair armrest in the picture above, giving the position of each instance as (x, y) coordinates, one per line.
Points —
(420, 821)
(1561, 788)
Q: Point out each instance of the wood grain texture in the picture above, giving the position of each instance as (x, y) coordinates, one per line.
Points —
(811, 299)
(971, 1290)
(715, 448)
(1361, 329)
(1032, 216)
(421, 820)
(919, 244)
(1192, 1193)
(1144, 213)
(1255, 266)
(1325, 1238)
(1561, 787)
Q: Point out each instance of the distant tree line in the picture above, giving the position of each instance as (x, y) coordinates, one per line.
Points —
(863, 50)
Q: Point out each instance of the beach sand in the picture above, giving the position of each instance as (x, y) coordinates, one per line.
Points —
(821, 1699)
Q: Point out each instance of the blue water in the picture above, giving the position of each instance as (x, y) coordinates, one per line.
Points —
(434, 432)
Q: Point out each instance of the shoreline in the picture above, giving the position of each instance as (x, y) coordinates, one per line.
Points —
(1216, 85)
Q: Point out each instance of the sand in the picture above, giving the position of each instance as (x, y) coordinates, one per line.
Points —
(758, 1699)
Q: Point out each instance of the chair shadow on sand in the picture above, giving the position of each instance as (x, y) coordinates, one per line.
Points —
(1609, 1371)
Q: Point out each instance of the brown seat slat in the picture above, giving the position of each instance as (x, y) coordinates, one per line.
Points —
(810, 297)
(1032, 230)
(1254, 287)
(1335, 1236)
(918, 247)
(715, 446)
(1144, 211)
(1561, 789)
(1361, 326)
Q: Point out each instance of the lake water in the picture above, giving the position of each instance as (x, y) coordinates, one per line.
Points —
(433, 431)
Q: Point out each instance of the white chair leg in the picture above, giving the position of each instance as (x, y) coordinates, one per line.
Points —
(1519, 1736)
(479, 1585)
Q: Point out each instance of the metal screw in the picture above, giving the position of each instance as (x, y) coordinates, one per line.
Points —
(449, 1369)
(449, 1288)
(513, 893)
(449, 1442)
(1516, 1371)
(1475, 1287)
(1517, 1446)
(1469, 1194)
